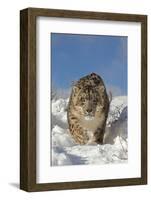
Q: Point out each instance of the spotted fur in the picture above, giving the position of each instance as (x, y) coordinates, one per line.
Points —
(88, 110)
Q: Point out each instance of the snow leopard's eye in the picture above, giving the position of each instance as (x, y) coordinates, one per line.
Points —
(81, 100)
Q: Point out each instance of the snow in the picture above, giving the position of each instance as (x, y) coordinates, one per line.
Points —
(116, 107)
(114, 150)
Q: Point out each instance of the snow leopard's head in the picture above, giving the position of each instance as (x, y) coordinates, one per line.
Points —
(89, 96)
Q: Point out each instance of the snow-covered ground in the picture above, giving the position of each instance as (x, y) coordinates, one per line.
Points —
(66, 152)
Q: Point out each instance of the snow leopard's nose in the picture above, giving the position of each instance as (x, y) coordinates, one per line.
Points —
(89, 110)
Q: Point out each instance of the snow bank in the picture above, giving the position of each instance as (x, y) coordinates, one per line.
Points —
(116, 107)
(66, 152)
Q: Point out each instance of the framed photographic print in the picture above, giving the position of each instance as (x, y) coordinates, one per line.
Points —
(83, 99)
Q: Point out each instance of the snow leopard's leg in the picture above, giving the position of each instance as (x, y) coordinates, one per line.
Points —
(78, 133)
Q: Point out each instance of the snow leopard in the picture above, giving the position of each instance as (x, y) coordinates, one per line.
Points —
(88, 109)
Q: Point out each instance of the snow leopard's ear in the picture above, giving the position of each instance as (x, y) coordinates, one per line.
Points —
(101, 88)
(75, 89)
(74, 86)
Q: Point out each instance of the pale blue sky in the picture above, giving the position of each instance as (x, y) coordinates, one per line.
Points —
(74, 56)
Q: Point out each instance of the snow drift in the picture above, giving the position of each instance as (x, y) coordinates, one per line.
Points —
(64, 151)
